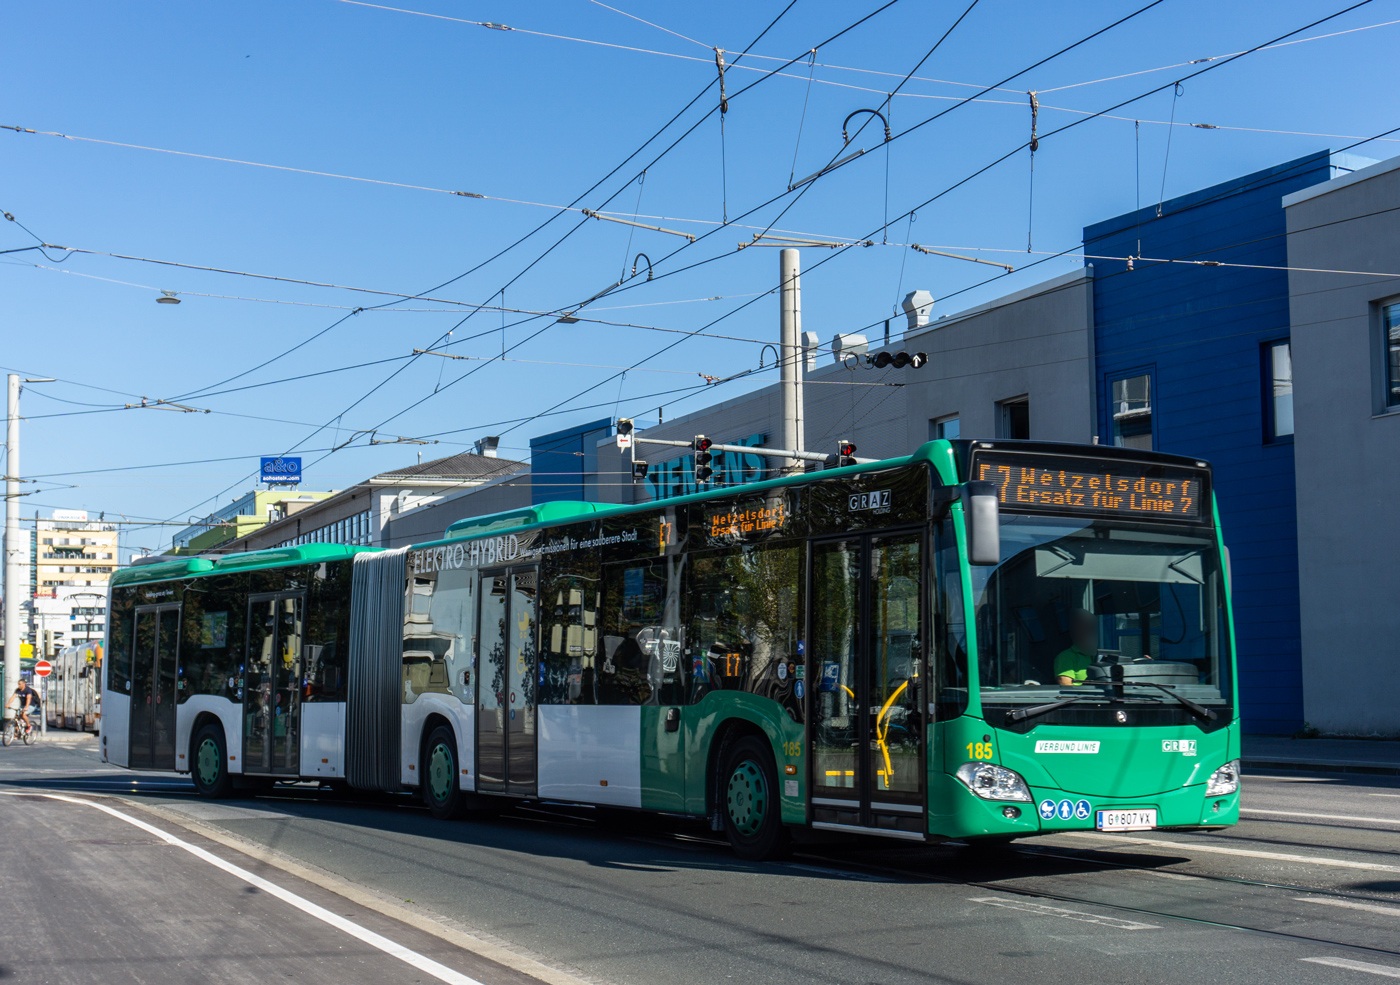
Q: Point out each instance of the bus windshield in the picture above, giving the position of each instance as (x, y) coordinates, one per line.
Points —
(1076, 603)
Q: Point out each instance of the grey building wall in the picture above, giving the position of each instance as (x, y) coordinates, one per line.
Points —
(430, 521)
(1035, 343)
(1347, 449)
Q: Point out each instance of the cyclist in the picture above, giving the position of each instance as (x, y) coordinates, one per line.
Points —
(26, 699)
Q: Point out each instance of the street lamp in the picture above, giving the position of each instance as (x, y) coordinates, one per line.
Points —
(15, 554)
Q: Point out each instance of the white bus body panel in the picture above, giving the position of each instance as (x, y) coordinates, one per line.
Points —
(230, 716)
(323, 739)
(580, 746)
(116, 727)
(463, 719)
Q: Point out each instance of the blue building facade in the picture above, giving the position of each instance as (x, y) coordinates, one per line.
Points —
(1194, 359)
(564, 464)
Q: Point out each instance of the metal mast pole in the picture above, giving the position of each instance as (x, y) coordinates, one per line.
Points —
(14, 550)
(790, 354)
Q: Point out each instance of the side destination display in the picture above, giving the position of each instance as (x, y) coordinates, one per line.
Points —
(1064, 484)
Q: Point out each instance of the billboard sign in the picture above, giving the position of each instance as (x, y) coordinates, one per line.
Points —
(280, 470)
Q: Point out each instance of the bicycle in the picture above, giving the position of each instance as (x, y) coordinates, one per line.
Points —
(15, 729)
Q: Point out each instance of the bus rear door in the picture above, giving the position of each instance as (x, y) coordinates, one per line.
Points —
(272, 685)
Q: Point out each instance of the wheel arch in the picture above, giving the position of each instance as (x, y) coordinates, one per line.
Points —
(727, 733)
(431, 723)
(202, 719)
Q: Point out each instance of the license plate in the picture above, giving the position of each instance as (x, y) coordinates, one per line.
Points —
(1134, 820)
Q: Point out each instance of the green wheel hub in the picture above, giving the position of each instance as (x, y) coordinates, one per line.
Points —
(748, 798)
(208, 762)
(440, 772)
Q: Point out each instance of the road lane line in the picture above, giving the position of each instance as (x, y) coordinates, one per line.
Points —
(1383, 795)
(1390, 911)
(424, 964)
(1339, 863)
(1386, 971)
(1324, 817)
(1043, 910)
(475, 941)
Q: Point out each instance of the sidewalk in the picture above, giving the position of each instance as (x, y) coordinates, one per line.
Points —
(1271, 752)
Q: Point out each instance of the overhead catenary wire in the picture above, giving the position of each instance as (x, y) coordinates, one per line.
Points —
(1071, 125)
(642, 147)
(848, 68)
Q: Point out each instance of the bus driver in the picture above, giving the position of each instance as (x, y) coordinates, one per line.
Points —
(1072, 664)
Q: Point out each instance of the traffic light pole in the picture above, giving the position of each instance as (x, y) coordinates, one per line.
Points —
(790, 358)
(14, 551)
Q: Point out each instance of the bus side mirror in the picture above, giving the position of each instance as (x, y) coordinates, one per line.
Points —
(979, 501)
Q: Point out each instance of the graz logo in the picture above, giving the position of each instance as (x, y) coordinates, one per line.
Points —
(869, 501)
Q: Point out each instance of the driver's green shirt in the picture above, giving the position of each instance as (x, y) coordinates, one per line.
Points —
(1074, 664)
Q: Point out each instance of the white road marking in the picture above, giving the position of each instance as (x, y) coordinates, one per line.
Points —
(1383, 795)
(1339, 863)
(1059, 911)
(427, 965)
(1386, 971)
(1390, 911)
(1323, 817)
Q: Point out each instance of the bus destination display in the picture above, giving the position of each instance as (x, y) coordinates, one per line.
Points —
(1077, 485)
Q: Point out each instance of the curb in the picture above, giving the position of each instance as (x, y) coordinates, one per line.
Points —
(1318, 766)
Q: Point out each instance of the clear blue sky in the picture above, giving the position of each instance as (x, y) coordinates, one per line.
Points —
(374, 93)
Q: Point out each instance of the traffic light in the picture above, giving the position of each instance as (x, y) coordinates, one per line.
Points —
(48, 644)
(624, 432)
(703, 458)
(639, 470)
(899, 360)
(845, 453)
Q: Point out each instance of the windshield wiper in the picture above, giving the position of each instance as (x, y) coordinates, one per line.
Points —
(1021, 714)
(1195, 709)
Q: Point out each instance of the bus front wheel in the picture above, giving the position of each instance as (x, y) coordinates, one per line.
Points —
(209, 763)
(748, 793)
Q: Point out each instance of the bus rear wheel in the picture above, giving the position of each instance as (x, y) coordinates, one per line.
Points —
(749, 802)
(209, 763)
(442, 789)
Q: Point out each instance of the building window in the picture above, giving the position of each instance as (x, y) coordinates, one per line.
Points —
(1132, 412)
(1014, 418)
(944, 427)
(1278, 396)
(1390, 338)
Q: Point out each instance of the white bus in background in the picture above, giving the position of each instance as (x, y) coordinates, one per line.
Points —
(73, 691)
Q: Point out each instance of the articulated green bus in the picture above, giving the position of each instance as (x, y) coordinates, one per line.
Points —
(982, 640)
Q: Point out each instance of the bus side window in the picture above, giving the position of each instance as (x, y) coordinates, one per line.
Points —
(569, 638)
(641, 641)
(746, 621)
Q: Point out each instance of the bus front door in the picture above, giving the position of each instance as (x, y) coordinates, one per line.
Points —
(153, 676)
(507, 662)
(867, 737)
(271, 685)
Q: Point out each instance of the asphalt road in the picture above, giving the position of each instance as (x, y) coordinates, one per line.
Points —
(1306, 889)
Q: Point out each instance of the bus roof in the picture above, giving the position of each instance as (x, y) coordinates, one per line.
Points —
(274, 557)
(937, 453)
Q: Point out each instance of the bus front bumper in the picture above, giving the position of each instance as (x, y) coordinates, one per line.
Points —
(955, 812)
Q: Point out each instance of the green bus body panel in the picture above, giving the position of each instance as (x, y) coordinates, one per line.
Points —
(559, 511)
(161, 571)
(275, 557)
(674, 776)
(278, 556)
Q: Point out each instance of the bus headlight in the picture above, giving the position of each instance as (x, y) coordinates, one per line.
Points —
(993, 782)
(1224, 780)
